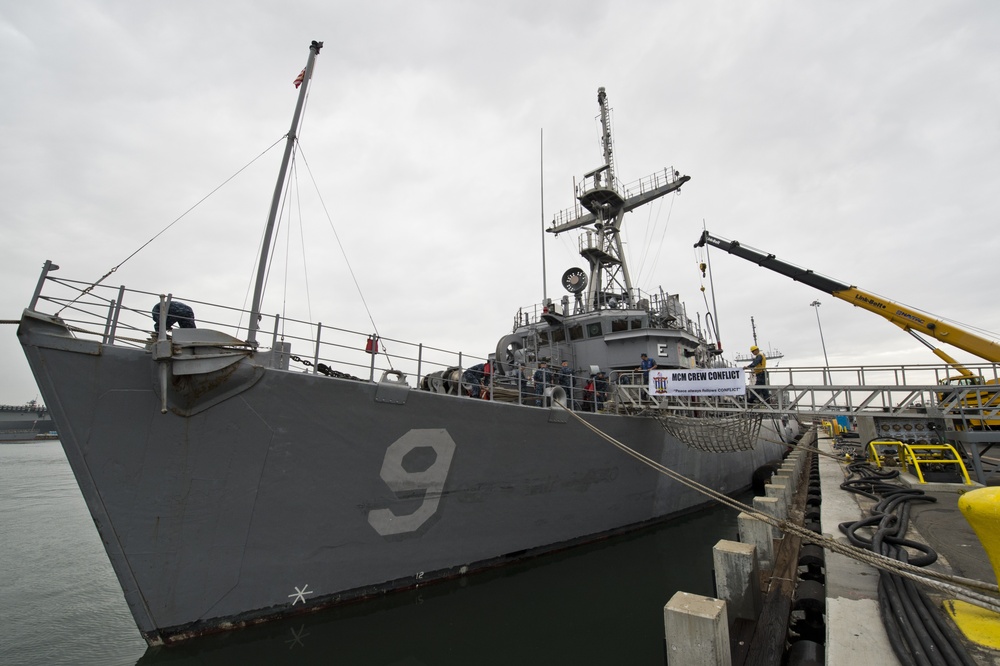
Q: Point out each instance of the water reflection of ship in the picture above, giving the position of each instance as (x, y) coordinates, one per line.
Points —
(769, 353)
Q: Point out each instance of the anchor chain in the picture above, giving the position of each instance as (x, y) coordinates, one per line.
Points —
(324, 369)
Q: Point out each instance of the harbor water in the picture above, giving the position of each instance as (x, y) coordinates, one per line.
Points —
(600, 603)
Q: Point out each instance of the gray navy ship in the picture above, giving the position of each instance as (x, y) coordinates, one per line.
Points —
(25, 422)
(237, 476)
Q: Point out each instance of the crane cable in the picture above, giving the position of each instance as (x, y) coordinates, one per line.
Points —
(705, 266)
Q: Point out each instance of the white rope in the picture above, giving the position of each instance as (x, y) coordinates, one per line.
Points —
(945, 582)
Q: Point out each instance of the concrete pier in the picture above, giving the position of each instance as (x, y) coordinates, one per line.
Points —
(855, 632)
(767, 577)
(855, 635)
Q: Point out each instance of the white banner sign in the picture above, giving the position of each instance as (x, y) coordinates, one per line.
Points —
(710, 381)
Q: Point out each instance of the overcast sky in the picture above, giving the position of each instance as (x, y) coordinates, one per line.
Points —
(861, 140)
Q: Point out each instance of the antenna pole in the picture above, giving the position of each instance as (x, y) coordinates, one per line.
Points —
(265, 248)
(541, 180)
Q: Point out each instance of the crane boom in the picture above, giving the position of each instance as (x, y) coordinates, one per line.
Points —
(906, 318)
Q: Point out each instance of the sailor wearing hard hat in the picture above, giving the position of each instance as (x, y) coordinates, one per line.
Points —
(759, 366)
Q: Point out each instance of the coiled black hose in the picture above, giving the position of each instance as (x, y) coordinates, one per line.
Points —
(916, 629)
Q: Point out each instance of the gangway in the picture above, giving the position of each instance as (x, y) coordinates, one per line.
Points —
(905, 403)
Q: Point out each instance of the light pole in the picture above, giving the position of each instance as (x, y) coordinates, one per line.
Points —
(826, 368)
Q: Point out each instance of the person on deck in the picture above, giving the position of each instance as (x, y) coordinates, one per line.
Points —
(472, 379)
(523, 377)
(759, 367)
(487, 379)
(177, 313)
(600, 390)
(565, 379)
(595, 393)
(542, 379)
(646, 364)
(588, 396)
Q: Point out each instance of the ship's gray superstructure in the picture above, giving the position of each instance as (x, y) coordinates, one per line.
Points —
(230, 486)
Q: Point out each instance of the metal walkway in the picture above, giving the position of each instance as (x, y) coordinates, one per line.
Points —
(914, 404)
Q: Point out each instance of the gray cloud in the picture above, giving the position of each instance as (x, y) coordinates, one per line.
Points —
(859, 141)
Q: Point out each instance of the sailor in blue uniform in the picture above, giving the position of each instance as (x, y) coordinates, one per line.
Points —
(177, 313)
(565, 379)
(646, 365)
(542, 379)
(474, 380)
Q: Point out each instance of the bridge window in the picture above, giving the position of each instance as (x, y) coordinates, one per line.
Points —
(594, 329)
(619, 325)
(576, 332)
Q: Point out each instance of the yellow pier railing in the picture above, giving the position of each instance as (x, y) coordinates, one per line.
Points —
(916, 455)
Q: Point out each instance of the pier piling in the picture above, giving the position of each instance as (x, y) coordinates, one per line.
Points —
(759, 535)
(737, 577)
(697, 630)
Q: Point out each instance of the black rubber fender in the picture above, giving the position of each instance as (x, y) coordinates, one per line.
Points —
(805, 653)
(811, 555)
(810, 596)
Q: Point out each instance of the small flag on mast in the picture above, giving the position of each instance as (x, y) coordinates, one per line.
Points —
(300, 78)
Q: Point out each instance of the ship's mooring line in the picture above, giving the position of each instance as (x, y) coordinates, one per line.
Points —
(941, 581)
(812, 449)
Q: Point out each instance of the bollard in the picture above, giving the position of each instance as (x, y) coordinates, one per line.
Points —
(696, 630)
(981, 509)
(759, 535)
(737, 577)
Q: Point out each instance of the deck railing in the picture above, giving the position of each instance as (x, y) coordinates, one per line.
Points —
(116, 315)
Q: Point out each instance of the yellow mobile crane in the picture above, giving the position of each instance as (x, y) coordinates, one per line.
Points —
(908, 319)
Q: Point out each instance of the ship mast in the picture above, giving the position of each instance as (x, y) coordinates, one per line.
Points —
(606, 203)
(265, 248)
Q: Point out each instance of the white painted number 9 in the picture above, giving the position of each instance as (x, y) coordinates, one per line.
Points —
(405, 483)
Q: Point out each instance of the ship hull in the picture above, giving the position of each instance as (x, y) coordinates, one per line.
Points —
(20, 424)
(288, 491)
